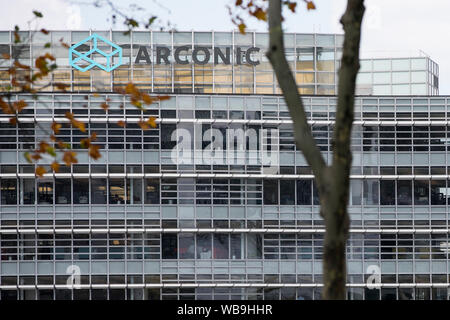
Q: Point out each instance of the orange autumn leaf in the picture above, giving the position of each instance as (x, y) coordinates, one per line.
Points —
(21, 65)
(49, 56)
(55, 166)
(121, 123)
(36, 156)
(131, 89)
(292, 6)
(61, 86)
(162, 98)
(94, 152)
(12, 71)
(242, 27)
(147, 99)
(65, 45)
(43, 146)
(6, 108)
(63, 145)
(77, 124)
(55, 127)
(143, 125)
(136, 103)
(42, 64)
(138, 98)
(149, 123)
(19, 105)
(260, 14)
(69, 158)
(310, 5)
(104, 106)
(84, 143)
(152, 122)
(40, 171)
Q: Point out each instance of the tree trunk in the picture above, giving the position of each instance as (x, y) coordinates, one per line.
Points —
(336, 217)
(334, 256)
(333, 182)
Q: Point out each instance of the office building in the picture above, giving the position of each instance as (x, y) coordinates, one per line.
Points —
(216, 203)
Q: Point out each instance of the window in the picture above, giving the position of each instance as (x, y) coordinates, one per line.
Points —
(370, 196)
(186, 246)
(45, 192)
(304, 192)
(28, 187)
(236, 244)
(152, 191)
(325, 40)
(404, 192)
(325, 59)
(387, 192)
(316, 200)
(364, 78)
(169, 246)
(439, 192)
(98, 191)
(400, 77)
(270, 192)
(204, 246)
(287, 192)
(63, 191)
(304, 39)
(116, 191)
(381, 77)
(80, 191)
(305, 59)
(134, 191)
(400, 64)
(166, 136)
(203, 194)
(400, 89)
(220, 191)
(186, 189)
(366, 65)
(9, 191)
(419, 89)
(381, 65)
(418, 64)
(254, 246)
(221, 246)
(356, 188)
(421, 189)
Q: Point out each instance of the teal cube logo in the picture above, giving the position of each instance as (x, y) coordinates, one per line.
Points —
(102, 54)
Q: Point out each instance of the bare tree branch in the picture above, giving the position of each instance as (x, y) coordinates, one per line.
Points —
(302, 131)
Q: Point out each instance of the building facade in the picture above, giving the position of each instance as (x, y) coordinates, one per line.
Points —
(398, 76)
(314, 58)
(216, 202)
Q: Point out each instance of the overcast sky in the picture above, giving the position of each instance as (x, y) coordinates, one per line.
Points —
(397, 28)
